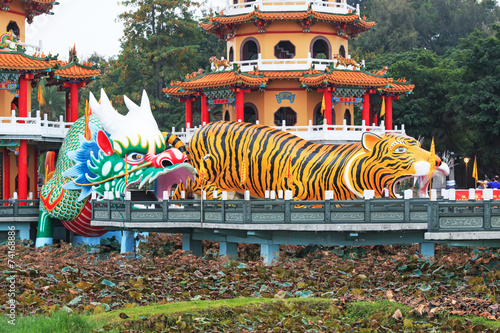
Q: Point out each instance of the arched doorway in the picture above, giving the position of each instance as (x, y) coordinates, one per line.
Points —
(250, 49)
(226, 116)
(348, 117)
(231, 54)
(318, 117)
(287, 114)
(251, 114)
(14, 27)
(320, 48)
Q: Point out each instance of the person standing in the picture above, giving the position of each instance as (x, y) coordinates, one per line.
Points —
(494, 184)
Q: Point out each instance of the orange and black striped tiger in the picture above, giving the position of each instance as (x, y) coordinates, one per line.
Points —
(270, 154)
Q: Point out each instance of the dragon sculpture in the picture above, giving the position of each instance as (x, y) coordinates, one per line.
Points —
(8, 36)
(106, 151)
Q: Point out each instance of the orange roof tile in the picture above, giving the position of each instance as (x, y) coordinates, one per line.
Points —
(221, 79)
(353, 19)
(19, 61)
(315, 78)
(75, 70)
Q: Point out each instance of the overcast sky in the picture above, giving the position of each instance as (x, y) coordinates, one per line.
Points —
(90, 24)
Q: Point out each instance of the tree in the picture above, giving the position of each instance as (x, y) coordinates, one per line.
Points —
(55, 101)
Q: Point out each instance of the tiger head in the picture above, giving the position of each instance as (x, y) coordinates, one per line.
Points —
(387, 160)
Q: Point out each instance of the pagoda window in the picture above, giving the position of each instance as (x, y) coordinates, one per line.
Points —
(347, 117)
(284, 50)
(227, 117)
(251, 115)
(250, 49)
(231, 54)
(320, 48)
(342, 51)
(14, 27)
(287, 114)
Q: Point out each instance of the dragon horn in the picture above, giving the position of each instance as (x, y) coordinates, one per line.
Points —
(108, 116)
(145, 106)
(131, 106)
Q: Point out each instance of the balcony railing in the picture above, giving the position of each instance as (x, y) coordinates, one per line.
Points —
(317, 133)
(35, 128)
(292, 64)
(328, 6)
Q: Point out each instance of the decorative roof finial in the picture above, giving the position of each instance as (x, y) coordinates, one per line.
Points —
(72, 54)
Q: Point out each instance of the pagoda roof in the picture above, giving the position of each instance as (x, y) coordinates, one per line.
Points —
(20, 61)
(216, 22)
(76, 71)
(311, 78)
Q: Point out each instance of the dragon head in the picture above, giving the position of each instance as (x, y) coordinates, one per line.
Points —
(127, 150)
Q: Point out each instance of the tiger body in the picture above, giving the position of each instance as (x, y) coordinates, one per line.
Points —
(269, 155)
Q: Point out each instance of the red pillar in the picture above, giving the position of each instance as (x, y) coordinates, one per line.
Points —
(22, 167)
(67, 116)
(74, 101)
(366, 108)
(205, 117)
(35, 180)
(6, 174)
(22, 178)
(189, 112)
(388, 113)
(327, 95)
(12, 107)
(240, 105)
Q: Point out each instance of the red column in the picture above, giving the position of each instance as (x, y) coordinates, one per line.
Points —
(67, 116)
(189, 112)
(240, 105)
(327, 95)
(388, 113)
(35, 165)
(12, 106)
(366, 108)
(22, 167)
(74, 101)
(205, 117)
(23, 96)
(6, 174)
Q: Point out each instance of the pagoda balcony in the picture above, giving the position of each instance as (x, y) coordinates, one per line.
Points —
(33, 128)
(292, 64)
(326, 134)
(327, 6)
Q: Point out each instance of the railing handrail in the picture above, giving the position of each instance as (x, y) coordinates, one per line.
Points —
(34, 126)
(297, 5)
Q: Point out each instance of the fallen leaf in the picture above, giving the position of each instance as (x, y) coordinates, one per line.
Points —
(397, 315)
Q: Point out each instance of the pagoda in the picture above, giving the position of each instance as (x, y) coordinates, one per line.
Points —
(288, 63)
(23, 137)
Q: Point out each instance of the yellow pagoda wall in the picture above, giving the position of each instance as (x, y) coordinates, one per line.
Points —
(14, 14)
(6, 98)
(283, 31)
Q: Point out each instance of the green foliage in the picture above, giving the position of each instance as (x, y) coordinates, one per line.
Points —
(55, 101)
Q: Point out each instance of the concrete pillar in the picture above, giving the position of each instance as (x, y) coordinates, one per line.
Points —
(127, 244)
(90, 241)
(269, 253)
(426, 249)
(24, 231)
(228, 249)
(142, 240)
(191, 245)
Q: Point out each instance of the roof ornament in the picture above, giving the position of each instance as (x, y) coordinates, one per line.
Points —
(72, 54)
(218, 63)
(8, 40)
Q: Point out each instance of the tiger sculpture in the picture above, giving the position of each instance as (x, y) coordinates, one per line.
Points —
(346, 169)
(219, 63)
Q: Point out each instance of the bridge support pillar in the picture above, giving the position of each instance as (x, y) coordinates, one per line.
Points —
(127, 243)
(228, 249)
(191, 245)
(426, 249)
(269, 253)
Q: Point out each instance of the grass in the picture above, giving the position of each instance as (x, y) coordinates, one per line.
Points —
(58, 322)
(75, 323)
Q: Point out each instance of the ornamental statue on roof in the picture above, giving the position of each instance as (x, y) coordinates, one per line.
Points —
(288, 64)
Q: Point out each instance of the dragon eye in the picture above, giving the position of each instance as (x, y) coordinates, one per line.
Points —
(400, 150)
(135, 158)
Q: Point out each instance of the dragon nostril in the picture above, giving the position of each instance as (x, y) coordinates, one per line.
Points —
(166, 163)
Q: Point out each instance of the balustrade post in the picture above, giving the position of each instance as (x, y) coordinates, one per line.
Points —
(433, 216)
(288, 213)
(407, 210)
(128, 211)
(368, 217)
(487, 215)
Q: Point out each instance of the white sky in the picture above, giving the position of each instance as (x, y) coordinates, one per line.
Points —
(90, 24)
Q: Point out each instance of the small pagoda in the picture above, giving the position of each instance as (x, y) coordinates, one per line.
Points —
(20, 71)
(288, 63)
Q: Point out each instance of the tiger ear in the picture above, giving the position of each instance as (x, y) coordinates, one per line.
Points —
(369, 139)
